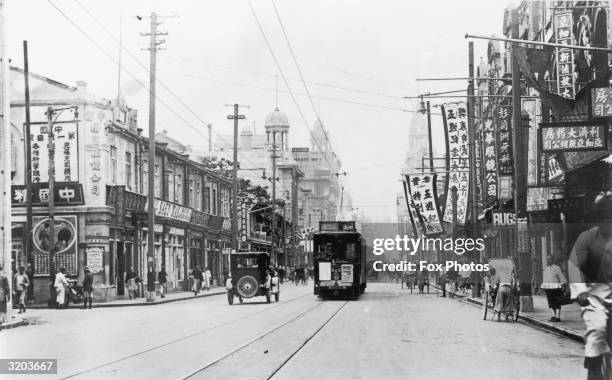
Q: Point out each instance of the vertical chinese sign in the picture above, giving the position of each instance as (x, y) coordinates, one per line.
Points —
(66, 163)
(414, 216)
(565, 56)
(94, 148)
(505, 163)
(455, 117)
(490, 162)
(422, 190)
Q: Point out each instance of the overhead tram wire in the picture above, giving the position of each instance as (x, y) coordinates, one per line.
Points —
(244, 85)
(145, 67)
(263, 34)
(270, 75)
(314, 109)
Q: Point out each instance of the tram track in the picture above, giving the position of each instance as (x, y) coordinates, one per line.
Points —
(183, 338)
(201, 371)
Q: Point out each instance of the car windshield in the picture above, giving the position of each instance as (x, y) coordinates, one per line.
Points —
(247, 262)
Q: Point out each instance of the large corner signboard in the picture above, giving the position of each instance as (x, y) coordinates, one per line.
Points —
(572, 137)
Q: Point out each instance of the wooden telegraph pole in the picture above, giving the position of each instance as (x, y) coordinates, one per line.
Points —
(234, 117)
(153, 49)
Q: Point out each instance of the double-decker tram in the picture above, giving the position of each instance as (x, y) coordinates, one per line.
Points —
(339, 255)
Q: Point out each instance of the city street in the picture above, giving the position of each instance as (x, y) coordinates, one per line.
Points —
(388, 333)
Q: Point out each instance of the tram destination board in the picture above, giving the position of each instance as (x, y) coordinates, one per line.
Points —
(337, 226)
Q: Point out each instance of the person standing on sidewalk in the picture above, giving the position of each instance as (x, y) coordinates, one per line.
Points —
(60, 284)
(87, 288)
(22, 282)
(130, 282)
(553, 282)
(207, 278)
(150, 283)
(5, 296)
(30, 273)
(162, 277)
(590, 275)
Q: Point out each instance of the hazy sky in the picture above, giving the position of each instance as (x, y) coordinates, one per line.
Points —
(217, 55)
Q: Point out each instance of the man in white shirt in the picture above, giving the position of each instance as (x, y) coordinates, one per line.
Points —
(60, 287)
(207, 278)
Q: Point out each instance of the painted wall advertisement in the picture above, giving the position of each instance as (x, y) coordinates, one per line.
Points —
(64, 152)
(455, 117)
(422, 189)
(65, 233)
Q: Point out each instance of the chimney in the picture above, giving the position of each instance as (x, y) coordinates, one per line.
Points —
(165, 132)
(81, 88)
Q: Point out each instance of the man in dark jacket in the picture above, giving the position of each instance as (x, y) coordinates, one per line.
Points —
(197, 280)
(87, 288)
(150, 284)
(162, 278)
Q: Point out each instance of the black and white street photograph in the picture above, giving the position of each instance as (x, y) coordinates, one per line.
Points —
(292, 189)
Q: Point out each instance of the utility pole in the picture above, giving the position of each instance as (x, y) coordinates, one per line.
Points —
(27, 235)
(51, 171)
(273, 229)
(472, 151)
(209, 137)
(153, 48)
(234, 117)
(5, 157)
(520, 178)
(431, 160)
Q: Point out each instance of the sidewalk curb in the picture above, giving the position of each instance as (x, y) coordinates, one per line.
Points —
(158, 302)
(13, 324)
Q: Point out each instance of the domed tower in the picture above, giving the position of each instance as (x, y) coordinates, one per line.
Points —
(277, 130)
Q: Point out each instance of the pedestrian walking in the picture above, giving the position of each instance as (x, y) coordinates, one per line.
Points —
(22, 282)
(130, 283)
(421, 281)
(207, 278)
(162, 278)
(504, 300)
(553, 284)
(197, 276)
(150, 284)
(5, 295)
(87, 288)
(60, 284)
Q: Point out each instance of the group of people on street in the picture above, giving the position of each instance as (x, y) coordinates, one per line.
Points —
(201, 279)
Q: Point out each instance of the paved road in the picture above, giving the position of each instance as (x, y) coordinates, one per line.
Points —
(387, 334)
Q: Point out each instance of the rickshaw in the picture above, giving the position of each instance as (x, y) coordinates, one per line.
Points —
(504, 269)
(252, 276)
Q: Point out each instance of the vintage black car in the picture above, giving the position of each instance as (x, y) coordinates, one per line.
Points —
(252, 276)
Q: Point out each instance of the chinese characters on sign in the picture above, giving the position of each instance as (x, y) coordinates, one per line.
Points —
(172, 211)
(414, 217)
(95, 259)
(65, 246)
(533, 109)
(95, 151)
(490, 162)
(601, 102)
(505, 163)
(65, 160)
(66, 193)
(422, 190)
(571, 138)
(564, 56)
(458, 153)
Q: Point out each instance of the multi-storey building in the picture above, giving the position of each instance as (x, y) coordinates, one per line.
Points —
(101, 182)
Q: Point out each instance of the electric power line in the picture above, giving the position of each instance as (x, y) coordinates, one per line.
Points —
(142, 65)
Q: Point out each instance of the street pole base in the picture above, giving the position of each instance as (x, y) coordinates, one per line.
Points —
(150, 297)
(526, 303)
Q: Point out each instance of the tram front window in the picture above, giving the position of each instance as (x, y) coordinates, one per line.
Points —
(337, 248)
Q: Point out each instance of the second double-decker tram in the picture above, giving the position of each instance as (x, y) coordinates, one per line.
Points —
(339, 260)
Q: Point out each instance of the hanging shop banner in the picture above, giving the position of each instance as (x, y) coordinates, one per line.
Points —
(505, 188)
(532, 107)
(565, 56)
(555, 168)
(572, 137)
(503, 118)
(95, 259)
(455, 119)
(64, 243)
(417, 228)
(537, 198)
(65, 194)
(490, 162)
(422, 189)
(172, 211)
(601, 102)
(64, 152)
